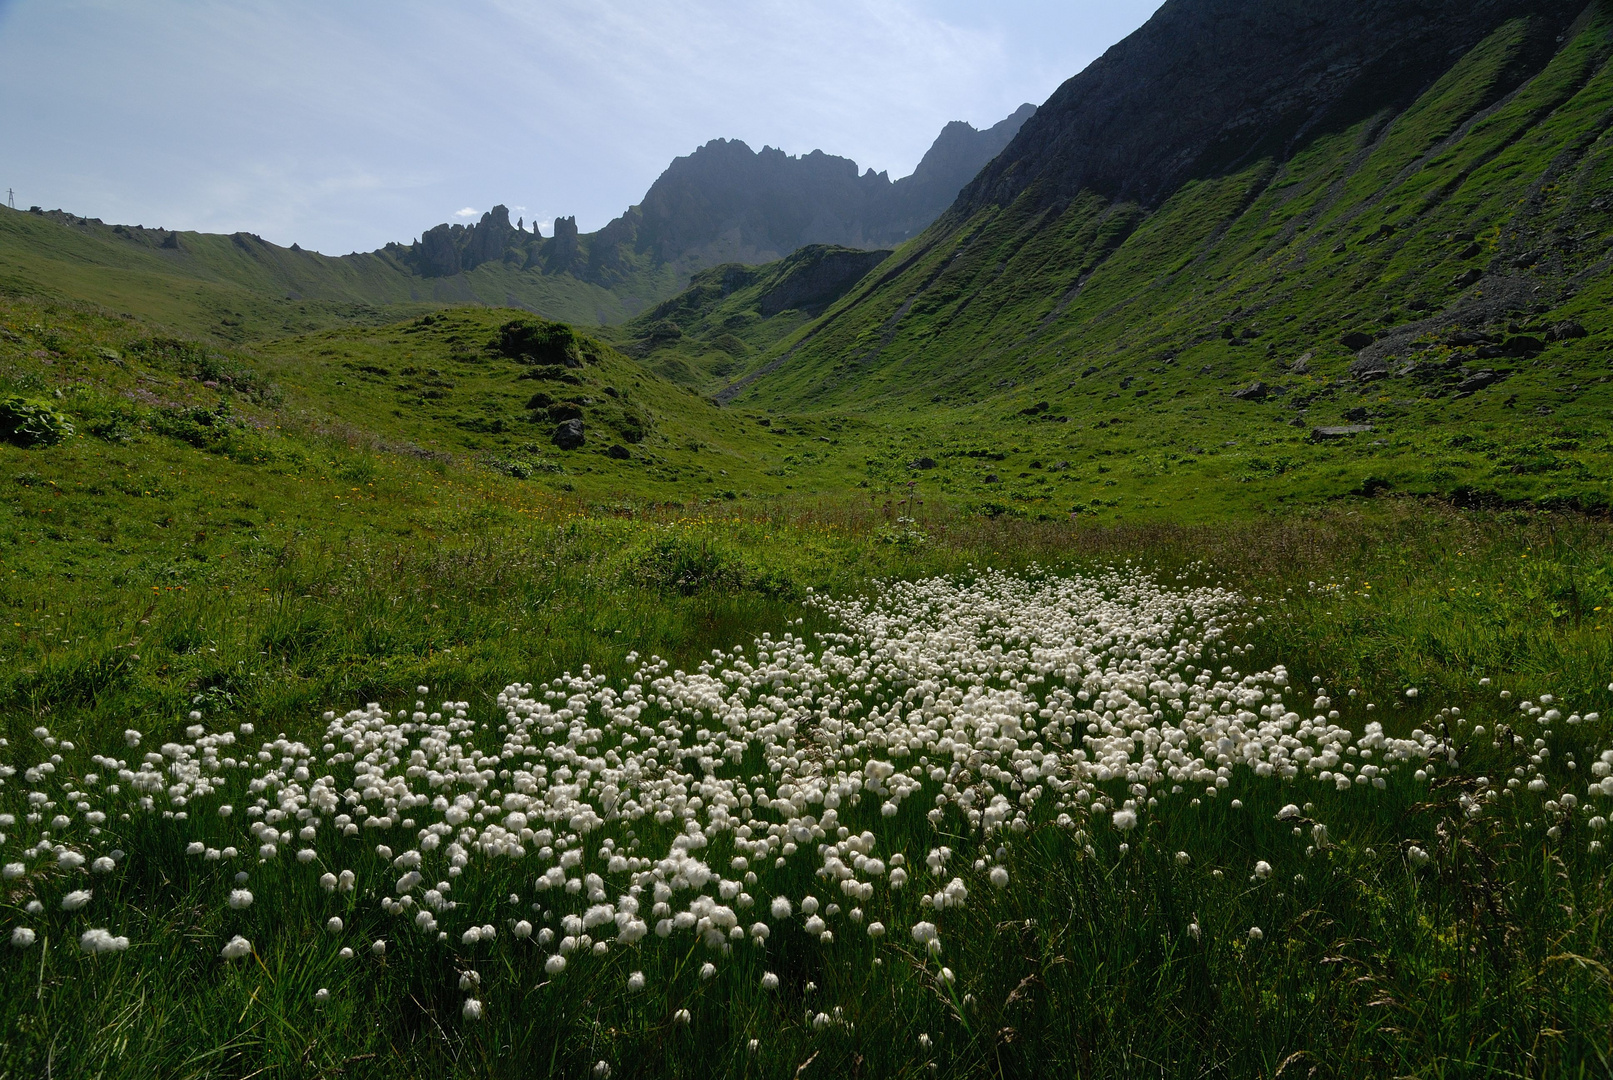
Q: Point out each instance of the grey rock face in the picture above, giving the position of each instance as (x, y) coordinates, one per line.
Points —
(1477, 381)
(1346, 431)
(1368, 368)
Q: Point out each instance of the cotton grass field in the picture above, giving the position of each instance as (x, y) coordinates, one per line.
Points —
(1159, 804)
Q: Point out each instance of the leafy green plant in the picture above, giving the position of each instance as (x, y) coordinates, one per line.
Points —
(32, 423)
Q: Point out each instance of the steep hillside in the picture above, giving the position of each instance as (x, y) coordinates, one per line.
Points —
(1423, 259)
(732, 313)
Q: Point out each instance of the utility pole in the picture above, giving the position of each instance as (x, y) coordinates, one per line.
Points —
(11, 198)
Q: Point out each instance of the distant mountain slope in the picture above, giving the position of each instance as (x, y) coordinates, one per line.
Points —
(726, 203)
(733, 312)
(721, 204)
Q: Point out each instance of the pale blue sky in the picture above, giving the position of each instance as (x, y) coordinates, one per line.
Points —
(343, 124)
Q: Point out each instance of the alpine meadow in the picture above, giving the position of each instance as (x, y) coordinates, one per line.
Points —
(1133, 598)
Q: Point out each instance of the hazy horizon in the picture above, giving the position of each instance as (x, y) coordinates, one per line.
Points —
(344, 129)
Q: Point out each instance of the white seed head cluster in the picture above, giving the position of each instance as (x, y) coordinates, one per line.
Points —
(979, 706)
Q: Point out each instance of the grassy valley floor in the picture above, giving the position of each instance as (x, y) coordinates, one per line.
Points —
(260, 536)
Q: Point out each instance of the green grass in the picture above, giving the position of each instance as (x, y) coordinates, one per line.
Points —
(270, 507)
(445, 573)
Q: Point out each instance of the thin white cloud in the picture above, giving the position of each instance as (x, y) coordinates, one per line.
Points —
(466, 212)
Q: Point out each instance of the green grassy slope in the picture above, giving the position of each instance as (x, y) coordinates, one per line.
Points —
(1473, 210)
(731, 314)
(239, 287)
(431, 389)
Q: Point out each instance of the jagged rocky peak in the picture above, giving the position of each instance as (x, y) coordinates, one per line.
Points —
(449, 249)
(728, 203)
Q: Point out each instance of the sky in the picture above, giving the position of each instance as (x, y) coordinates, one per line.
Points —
(344, 124)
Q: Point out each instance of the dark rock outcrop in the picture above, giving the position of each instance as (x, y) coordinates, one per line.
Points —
(1206, 86)
(569, 435)
(1369, 368)
(538, 341)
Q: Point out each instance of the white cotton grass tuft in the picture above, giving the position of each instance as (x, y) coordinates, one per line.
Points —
(76, 899)
(769, 981)
(321, 996)
(1108, 697)
(22, 937)
(236, 948)
(98, 941)
(472, 1009)
(635, 982)
(681, 1016)
(378, 947)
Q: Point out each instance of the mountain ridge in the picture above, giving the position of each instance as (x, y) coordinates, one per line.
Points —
(238, 286)
(727, 203)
